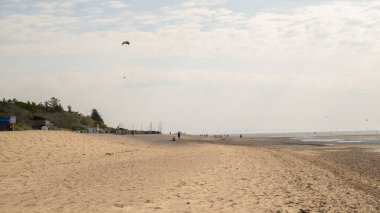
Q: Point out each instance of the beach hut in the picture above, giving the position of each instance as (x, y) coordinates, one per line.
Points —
(4, 124)
(39, 122)
(94, 129)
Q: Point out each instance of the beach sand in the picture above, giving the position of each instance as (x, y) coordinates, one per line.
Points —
(61, 171)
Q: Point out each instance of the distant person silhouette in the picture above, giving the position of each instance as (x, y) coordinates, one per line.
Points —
(241, 136)
(179, 136)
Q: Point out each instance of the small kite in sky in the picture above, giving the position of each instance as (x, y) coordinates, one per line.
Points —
(125, 42)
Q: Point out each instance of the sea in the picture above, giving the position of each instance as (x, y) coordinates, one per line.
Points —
(366, 137)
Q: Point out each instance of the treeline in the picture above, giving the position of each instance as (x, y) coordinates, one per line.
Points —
(53, 111)
(52, 105)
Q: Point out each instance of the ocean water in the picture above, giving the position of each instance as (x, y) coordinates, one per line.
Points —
(347, 137)
(368, 137)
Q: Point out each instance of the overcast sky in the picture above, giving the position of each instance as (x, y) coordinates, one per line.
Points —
(199, 66)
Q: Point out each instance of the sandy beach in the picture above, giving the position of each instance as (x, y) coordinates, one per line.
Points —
(61, 171)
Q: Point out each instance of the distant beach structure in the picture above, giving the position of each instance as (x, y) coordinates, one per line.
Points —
(4, 124)
(40, 121)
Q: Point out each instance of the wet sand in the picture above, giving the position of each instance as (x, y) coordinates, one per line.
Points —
(71, 172)
(358, 164)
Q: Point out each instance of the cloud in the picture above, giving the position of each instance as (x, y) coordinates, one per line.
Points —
(204, 3)
(116, 4)
(66, 7)
(201, 30)
(324, 36)
(93, 10)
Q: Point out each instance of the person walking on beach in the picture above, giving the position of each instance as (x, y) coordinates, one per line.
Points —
(179, 136)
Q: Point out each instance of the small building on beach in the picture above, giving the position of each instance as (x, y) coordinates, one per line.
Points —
(94, 129)
(39, 122)
(4, 124)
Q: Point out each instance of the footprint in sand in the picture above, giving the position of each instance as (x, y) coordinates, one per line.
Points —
(119, 205)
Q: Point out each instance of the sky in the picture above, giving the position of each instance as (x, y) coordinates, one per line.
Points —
(201, 66)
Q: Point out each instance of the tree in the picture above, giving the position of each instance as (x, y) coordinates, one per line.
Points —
(53, 105)
(96, 117)
(69, 109)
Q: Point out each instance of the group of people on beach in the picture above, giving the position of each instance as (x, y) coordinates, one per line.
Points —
(178, 135)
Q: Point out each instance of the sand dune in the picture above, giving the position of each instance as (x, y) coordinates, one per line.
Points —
(70, 172)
